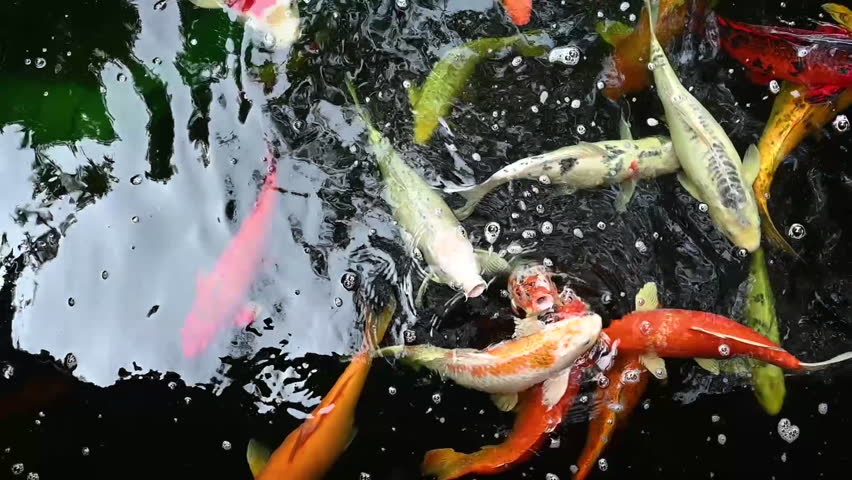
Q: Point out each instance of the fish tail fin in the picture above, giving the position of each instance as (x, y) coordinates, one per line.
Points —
(472, 195)
(827, 363)
(445, 464)
(395, 350)
(653, 8)
(257, 456)
(377, 325)
(774, 236)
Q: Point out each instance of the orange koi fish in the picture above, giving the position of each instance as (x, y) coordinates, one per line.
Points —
(220, 296)
(512, 366)
(534, 421)
(311, 450)
(519, 11)
(627, 381)
(531, 289)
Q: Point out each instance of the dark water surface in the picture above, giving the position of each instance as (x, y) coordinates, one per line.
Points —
(132, 137)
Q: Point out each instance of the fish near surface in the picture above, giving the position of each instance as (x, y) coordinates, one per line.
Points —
(586, 165)
(425, 217)
(513, 365)
(310, 451)
(791, 120)
(519, 11)
(220, 298)
(449, 77)
(278, 19)
(712, 170)
(531, 288)
(820, 60)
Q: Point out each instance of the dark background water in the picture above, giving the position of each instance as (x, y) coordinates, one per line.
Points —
(131, 149)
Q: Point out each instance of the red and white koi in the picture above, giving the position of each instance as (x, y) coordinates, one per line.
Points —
(277, 19)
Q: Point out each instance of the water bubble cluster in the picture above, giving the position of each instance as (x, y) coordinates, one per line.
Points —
(787, 431)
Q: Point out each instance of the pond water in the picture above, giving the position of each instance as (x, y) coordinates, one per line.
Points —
(133, 144)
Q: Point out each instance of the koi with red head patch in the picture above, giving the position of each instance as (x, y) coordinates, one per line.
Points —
(221, 295)
(818, 59)
(531, 289)
(312, 449)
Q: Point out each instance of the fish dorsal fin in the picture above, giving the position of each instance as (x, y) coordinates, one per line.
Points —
(208, 3)
(257, 455)
(737, 339)
(647, 298)
(624, 132)
(525, 327)
(613, 32)
(491, 263)
(591, 149)
(690, 187)
(655, 365)
(554, 388)
(709, 364)
(751, 164)
(505, 402)
(840, 13)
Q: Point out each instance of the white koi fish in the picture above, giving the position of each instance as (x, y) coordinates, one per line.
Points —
(712, 170)
(586, 165)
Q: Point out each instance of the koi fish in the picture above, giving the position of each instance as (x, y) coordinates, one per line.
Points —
(792, 119)
(279, 19)
(533, 422)
(220, 296)
(841, 14)
(531, 288)
(434, 99)
(428, 221)
(519, 11)
(768, 380)
(627, 381)
(693, 334)
(586, 165)
(312, 449)
(514, 365)
(712, 170)
(626, 70)
(818, 59)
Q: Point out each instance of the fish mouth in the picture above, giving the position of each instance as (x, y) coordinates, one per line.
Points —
(543, 302)
(475, 290)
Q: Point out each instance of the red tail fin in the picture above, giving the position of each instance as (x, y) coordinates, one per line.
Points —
(445, 464)
(519, 10)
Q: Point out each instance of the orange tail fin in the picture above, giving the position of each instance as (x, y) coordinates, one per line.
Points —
(519, 10)
(774, 236)
(445, 464)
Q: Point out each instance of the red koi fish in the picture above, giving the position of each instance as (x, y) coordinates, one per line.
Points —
(533, 423)
(519, 11)
(693, 334)
(220, 296)
(310, 451)
(531, 289)
(820, 60)
(627, 381)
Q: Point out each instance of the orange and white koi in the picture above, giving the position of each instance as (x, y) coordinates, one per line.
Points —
(312, 449)
(531, 289)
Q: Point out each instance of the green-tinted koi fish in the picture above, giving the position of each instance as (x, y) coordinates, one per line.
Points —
(712, 170)
(586, 165)
(434, 99)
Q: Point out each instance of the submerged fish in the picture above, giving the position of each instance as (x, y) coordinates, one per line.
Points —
(841, 14)
(586, 165)
(278, 19)
(519, 11)
(312, 449)
(434, 99)
(768, 380)
(818, 59)
(712, 170)
(513, 365)
(533, 422)
(792, 119)
(626, 71)
(426, 218)
(531, 288)
(220, 298)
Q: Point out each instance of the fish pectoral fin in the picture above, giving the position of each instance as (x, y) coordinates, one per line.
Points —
(625, 193)
(825, 93)
(690, 187)
(527, 326)
(554, 388)
(647, 298)
(840, 13)
(613, 32)
(709, 364)
(751, 164)
(421, 292)
(737, 339)
(414, 95)
(208, 3)
(655, 365)
(505, 402)
(257, 455)
(491, 263)
(351, 437)
(624, 128)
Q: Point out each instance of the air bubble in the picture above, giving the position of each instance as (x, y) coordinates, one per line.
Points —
(724, 350)
(134, 219)
(410, 336)
(575, 103)
(543, 97)
(85, 451)
(715, 418)
(71, 301)
(601, 226)
(514, 248)
(600, 85)
(40, 62)
(338, 302)
(841, 123)
(581, 129)
(624, 6)
(578, 233)
(365, 476)
(574, 469)
(402, 3)
(742, 252)
(136, 179)
(516, 62)
(226, 445)
(703, 207)
(7, 371)
(774, 87)
(606, 298)
(631, 376)
(602, 464)
(722, 439)
(796, 231)
(121, 77)
(547, 262)
(492, 231)
(551, 476)
(652, 66)
(17, 469)
(645, 328)
(160, 5)
(822, 408)
(544, 179)
(640, 245)
(528, 234)
(436, 398)
(568, 55)
(539, 208)
(391, 390)
(787, 431)
(534, 108)
(603, 382)
(546, 228)
(652, 122)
